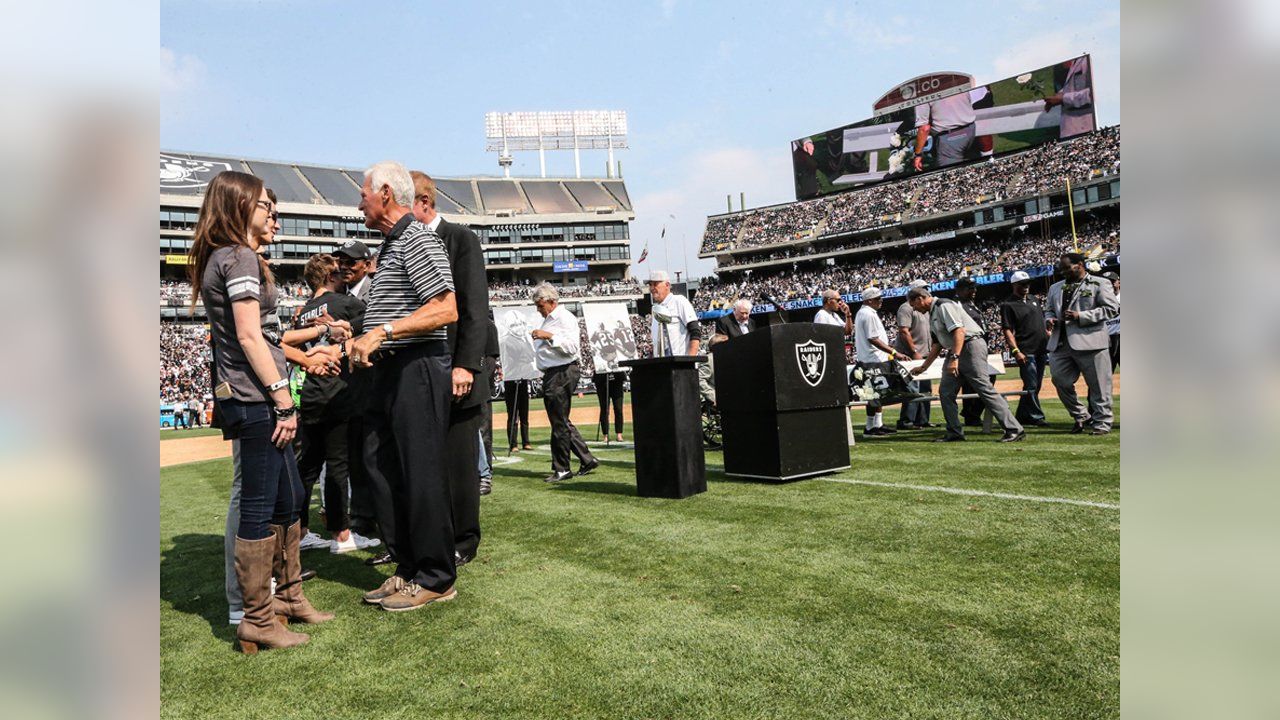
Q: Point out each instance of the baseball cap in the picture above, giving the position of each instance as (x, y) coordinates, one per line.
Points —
(917, 283)
(354, 249)
(1019, 276)
(870, 293)
(659, 276)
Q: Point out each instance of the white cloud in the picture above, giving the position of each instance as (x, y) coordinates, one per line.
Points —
(765, 177)
(668, 9)
(1099, 37)
(870, 33)
(179, 72)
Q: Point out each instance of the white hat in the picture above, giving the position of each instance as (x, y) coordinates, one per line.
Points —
(1019, 276)
(659, 276)
(870, 293)
(918, 283)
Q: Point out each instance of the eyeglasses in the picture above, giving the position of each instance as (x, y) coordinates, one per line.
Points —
(275, 216)
(266, 205)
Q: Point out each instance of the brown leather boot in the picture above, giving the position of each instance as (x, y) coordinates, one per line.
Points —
(259, 628)
(290, 603)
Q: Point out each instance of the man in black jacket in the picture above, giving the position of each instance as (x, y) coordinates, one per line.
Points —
(471, 369)
(739, 322)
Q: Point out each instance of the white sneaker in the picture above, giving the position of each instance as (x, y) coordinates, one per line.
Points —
(234, 617)
(312, 541)
(354, 541)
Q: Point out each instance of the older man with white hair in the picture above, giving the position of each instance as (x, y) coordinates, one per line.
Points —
(675, 327)
(557, 344)
(834, 311)
(406, 412)
(735, 324)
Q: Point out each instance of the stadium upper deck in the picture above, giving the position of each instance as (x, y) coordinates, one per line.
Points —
(526, 225)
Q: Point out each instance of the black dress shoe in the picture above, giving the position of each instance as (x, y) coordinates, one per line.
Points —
(1014, 436)
(925, 426)
(949, 438)
(905, 426)
(307, 574)
(1096, 431)
(588, 466)
(1037, 423)
(886, 430)
(556, 477)
(1077, 428)
(380, 559)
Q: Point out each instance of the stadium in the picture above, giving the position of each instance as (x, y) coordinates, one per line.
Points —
(974, 580)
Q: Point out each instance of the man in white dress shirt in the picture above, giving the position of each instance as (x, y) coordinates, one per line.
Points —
(556, 344)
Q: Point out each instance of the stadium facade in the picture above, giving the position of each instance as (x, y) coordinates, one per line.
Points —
(570, 231)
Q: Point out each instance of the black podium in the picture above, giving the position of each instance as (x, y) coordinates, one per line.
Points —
(666, 420)
(782, 391)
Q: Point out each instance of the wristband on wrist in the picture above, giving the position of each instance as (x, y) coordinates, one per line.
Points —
(1016, 351)
(281, 383)
(285, 413)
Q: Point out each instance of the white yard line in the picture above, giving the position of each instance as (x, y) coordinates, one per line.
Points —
(546, 450)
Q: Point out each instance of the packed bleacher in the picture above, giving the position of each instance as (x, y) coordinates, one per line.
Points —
(1020, 249)
(1023, 174)
(505, 291)
(184, 362)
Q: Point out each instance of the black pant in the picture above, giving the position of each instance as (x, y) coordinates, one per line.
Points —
(609, 387)
(362, 517)
(558, 386)
(516, 395)
(405, 423)
(270, 490)
(324, 445)
(463, 442)
(1115, 351)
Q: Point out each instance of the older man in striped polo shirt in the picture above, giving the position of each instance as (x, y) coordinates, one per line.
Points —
(407, 408)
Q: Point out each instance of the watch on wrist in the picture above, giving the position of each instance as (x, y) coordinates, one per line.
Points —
(386, 330)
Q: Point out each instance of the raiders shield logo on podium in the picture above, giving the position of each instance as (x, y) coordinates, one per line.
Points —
(811, 357)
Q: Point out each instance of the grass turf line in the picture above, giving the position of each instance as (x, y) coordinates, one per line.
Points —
(811, 599)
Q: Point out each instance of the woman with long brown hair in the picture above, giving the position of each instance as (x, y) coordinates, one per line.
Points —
(252, 394)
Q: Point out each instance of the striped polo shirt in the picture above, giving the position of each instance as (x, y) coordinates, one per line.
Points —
(413, 267)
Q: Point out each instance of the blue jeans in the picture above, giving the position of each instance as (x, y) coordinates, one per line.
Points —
(270, 488)
(1032, 373)
(482, 464)
(917, 413)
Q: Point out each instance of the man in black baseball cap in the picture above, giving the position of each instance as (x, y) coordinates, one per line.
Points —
(354, 257)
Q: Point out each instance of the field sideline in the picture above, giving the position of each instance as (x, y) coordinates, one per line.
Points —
(878, 593)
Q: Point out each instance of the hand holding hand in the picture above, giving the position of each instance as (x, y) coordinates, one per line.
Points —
(363, 347)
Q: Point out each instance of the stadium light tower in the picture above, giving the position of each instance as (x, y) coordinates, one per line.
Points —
(505, 132)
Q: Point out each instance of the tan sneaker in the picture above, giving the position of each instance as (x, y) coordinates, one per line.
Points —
(413, 596)
(389, 587)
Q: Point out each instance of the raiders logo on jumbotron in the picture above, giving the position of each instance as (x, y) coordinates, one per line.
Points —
(811, 357)
(182, 174)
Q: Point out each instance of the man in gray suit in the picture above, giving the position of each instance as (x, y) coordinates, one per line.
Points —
(1076, 312)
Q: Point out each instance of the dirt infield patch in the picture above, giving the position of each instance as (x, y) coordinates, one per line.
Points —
(185, 450)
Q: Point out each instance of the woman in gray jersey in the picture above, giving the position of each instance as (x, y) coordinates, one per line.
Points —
(251, 390)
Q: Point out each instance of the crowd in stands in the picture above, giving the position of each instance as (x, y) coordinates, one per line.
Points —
(184, 362)
(1018, 250)
(175, 293)
(1024, 174)
(600, 288)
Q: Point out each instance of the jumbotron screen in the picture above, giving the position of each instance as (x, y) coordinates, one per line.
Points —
(940, 120)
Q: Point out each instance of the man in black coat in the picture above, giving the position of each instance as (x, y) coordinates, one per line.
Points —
(739, 322)
(471, 368)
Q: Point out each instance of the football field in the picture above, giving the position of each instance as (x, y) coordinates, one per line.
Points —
(966, 580)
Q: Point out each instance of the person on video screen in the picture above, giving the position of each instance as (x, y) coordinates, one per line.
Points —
(951, 122)
(1076, 98)
(806, 168)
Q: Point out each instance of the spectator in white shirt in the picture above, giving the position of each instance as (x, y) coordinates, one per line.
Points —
(833, 308)
(871, 343)
(675, 327)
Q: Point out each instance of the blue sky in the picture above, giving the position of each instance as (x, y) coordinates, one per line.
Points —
(713, 90)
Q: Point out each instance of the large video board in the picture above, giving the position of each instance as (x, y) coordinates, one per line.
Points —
(949, 123)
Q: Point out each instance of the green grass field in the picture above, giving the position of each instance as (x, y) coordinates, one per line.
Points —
(813, 599)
